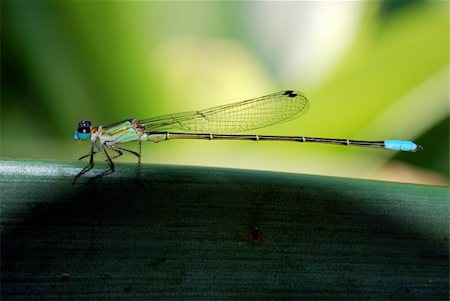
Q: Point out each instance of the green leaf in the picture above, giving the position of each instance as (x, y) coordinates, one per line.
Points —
(204, 233)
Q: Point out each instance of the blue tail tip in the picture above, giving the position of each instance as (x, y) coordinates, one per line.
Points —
(406, 146)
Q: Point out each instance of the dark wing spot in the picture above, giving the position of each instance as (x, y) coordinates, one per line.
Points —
(290, 93)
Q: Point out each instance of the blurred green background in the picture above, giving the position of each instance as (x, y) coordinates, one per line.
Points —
(372, 70)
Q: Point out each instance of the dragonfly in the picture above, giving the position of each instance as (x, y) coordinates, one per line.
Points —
(217, 123)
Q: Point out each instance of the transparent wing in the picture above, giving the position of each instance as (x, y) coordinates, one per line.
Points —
(236, 117)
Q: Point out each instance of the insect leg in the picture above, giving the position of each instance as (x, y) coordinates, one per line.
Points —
(120, 149)
(137, 154)
(108, 160)
(90, 164)
(119, 153)
(85, 156)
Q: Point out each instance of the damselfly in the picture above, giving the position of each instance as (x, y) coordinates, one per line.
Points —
(213, 124)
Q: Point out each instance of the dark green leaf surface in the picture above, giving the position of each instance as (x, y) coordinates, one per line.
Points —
(189, 233)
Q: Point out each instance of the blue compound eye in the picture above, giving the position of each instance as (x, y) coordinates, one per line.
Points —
(84, 130)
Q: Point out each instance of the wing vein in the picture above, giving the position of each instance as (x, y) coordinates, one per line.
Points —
(235, 117)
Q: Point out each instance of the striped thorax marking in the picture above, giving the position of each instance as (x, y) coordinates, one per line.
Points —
(119, 130)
